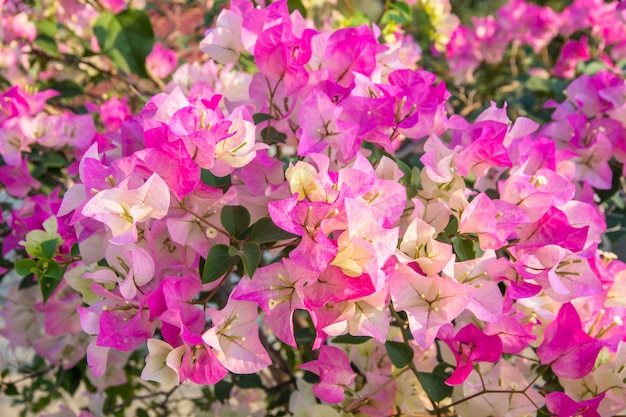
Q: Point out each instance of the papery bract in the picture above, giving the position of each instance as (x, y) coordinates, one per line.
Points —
(276, 288)
(430, 302)
(561, 405)
(334, 371)
(566, 347)
(235, 337)
(121, 209)
(469, 345)
(492, 220)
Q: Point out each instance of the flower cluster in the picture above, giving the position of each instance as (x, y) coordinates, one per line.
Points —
(325, 223)
(520, 23)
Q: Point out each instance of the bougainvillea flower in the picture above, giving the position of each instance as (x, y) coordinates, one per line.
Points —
(492, 220)
(121, 209)
(429, 302)
(561, 405)
(276, 289)
(333, 368)
(156, 368)
(567, 275)
(469, 345)
(235, 337)
(566, 347)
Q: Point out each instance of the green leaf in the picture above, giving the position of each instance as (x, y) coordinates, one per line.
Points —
(27, 282)
(47, 44)
(69, 379)
(434, 385)
(218, 263)
(48, 248)
(53, 270)
(47, 286)
(265, 231)
(450, 231)
(127, 38)
(272, 136)
(222, 390)
(351, 340)
(11, 390)
(399, 353)
(463, 248)
(142, 413)
(536, 84)
(404, 8)
(25, 266)
(416, 179)
(259, 118)
(208, 178)
(55, 160)
(40, 404)
(46, 27)
(406, 170)
(593, 67)
(235, 219)
(296, 5)
(396, 16)
(251, 257)
(304, 336)
(249, 381)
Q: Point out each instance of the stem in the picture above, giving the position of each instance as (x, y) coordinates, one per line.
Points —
(362, 401)
(208, 223)
(32, 375)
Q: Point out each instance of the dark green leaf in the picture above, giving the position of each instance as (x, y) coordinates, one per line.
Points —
(296, 5)
(54, 160)
(351, 340)
(416, 179)
(25, 266)
(311, 378)
(304, 336)
(434, 386)
(463, 248)
(27, 282)
(406, 170)
(54, 271)
(404, 8)
(209, 179)
(47, 44)
(396, 16)
(272, 136)
(75, 251)
(450, 231)
(127, 38)
(141, 413)
(47, 286)
(70, 379)
(399, 353)
(218, 263)
(265, 231)
(40, 404)
(593, 67)
(48, 248)
(259, 118)
(249, 381)
(537, 84)
(222, 390)
(11, 390)
(46, 27)
(235, 219)
(251, 257)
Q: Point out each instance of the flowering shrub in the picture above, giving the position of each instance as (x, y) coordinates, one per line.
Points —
(301, 224)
